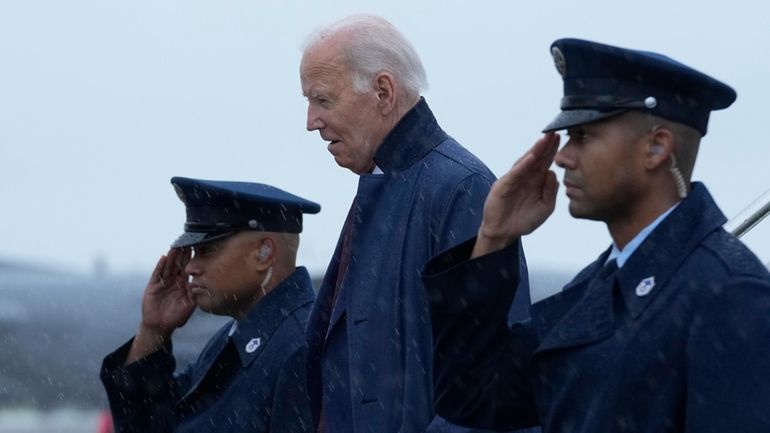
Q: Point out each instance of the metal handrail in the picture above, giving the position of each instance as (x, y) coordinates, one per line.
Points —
(749, 217)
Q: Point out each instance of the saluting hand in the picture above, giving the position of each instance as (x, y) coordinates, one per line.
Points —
(166, 304)
(520, 200)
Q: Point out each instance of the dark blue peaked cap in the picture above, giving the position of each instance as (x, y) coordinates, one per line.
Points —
(602, 81)
(216, 209)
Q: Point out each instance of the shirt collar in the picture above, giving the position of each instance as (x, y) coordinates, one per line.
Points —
(621, 256)
(233, 328)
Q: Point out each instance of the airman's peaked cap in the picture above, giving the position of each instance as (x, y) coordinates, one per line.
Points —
(601, 81)
(216, 209)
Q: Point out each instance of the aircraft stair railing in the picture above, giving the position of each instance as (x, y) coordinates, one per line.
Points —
(749, 217)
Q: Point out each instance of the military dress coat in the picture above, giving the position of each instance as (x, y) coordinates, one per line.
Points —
(253, 381)
(370, 352)
(676, 340)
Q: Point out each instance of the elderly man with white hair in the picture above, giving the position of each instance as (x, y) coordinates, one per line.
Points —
(419, 192)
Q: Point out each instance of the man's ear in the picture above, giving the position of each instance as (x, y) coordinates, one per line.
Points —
(660, 145)
(385, 86)
(264, 254)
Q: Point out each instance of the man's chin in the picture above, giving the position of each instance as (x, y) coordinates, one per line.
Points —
(579, 212)
(204, 304)
(342, 163)
(350, 166)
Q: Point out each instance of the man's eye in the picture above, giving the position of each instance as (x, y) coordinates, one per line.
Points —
(578, 135)
(319, 100)
(201, 251)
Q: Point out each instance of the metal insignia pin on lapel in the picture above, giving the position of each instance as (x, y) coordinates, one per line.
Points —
(253, 345)
(645, 286)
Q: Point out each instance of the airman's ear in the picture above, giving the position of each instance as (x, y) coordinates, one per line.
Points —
(659, 146)
(264, 251)
(264, 255)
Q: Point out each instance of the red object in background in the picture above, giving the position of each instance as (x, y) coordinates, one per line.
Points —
(104, 422)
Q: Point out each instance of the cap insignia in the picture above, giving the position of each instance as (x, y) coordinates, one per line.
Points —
(559, 61)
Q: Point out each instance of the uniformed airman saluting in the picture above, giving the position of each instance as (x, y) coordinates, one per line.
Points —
(668, 330)
(238, 251)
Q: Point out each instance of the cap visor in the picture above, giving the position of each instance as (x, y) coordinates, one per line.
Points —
(569, 118)
(189, 239)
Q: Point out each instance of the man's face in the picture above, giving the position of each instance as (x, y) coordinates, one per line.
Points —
(350, 122)
(223, 280)
(603, 168)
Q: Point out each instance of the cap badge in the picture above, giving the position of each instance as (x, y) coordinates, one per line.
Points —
(253, 224)
(645, 286)
(559, 61)
(253, 345)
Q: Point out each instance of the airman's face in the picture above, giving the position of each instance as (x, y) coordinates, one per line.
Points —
(350, 122)
(603, 166)
(223, 280)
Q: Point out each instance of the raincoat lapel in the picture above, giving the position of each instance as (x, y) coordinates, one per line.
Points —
(581, 314)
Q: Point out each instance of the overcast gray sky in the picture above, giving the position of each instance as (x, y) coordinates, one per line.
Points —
(102, 102)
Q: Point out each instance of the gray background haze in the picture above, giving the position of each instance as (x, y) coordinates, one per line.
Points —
(102, 102)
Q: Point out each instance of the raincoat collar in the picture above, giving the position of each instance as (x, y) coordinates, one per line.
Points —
(411, 139)
(621, 256)
(660, 255)
(261, 322)
(583, 312)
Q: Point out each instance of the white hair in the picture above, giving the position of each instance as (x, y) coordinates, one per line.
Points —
(373, 45)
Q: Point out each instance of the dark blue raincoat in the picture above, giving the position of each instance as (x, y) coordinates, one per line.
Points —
(252, 382)
(370, 359)
(677, 340)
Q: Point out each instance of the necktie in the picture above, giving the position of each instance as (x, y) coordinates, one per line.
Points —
(609, 269)
(345, 252)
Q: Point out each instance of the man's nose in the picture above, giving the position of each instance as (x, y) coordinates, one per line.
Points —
(564, 157)
(192, 268)
(314, 121)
